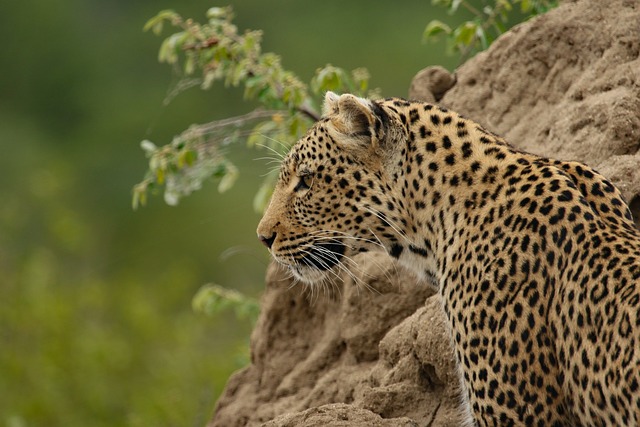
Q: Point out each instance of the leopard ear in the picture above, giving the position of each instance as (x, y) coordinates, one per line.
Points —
(355, 117)
(330, 106)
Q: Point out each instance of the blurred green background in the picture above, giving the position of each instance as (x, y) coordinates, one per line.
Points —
(96, 324)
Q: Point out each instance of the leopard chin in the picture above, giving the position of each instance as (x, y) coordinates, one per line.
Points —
(317, 262)
(309, 275)
(323, 256)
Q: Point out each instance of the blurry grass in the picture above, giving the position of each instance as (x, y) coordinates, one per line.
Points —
(79, 352)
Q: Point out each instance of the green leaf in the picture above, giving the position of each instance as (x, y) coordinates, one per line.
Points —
(504, 4)
(137, 199)
(217, 13)
(148, 147)
(328, 78)
(160, 175)
(155, 23)
(465, 33)
(189, 65)
(212, 299)
(220, 13)
(229, 178)
(154, 163)
(170, 47)
(209, 78)
(186, 158)
(190, 157)
(237, 74)
(482, 37)
(262, 197)
(143, 198)
(253, 81)
(434, 29)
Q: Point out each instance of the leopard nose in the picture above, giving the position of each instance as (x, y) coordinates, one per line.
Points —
(267, 241)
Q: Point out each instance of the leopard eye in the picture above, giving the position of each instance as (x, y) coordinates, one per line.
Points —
(304, 182)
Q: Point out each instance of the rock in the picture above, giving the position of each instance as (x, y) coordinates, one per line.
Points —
(417, 375)
(312, 348)
(373, 349)
(564, 85)
(430, 84)
(338, 415)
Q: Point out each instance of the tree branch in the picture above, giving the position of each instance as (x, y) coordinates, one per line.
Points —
(308, 112)
(238, 121)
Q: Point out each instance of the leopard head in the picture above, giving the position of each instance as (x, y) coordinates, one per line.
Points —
(335, 194)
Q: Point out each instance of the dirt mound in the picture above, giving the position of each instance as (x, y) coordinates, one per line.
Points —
(356, 342)
(374, 350)
(565, 85)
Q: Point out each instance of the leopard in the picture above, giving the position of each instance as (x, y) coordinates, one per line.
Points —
(536, 260)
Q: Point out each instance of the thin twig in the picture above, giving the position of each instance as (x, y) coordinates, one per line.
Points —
(238, 121)
(308, 112)
(471, 9)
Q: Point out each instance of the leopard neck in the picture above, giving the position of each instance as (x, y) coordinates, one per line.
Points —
(453, 174)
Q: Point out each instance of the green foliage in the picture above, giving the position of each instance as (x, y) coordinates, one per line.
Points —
(78, 353)
(489, 21)
(218, 52)
(214, 299)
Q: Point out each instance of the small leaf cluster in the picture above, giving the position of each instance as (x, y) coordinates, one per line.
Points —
(217, 51)
(214, 299)
(490, 20)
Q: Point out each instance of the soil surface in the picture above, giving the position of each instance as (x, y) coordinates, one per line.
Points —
(375, 351)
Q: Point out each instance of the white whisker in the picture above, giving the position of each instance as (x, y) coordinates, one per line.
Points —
(282, 144)
(388, 221)
(326, 253)
(278, 154)
(285, 147)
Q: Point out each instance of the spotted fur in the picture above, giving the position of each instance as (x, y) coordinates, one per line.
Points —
(536, 260)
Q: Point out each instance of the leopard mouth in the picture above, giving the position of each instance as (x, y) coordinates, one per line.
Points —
(323, 256)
